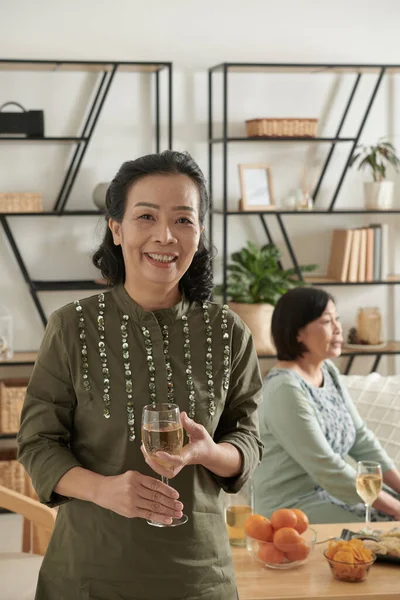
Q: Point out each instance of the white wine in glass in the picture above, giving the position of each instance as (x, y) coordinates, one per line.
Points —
(162, 432)
(368, 484)
(238, 508)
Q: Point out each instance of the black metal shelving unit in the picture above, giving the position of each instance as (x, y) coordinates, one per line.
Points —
(107, 72)
(358, 70)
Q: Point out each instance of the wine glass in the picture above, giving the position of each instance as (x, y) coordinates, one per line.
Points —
(368, 484)
(162, 431)
(238, 508)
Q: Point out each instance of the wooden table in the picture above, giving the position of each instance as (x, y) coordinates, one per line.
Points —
(313, 580)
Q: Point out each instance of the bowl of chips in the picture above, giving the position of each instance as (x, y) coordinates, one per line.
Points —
(349, 560)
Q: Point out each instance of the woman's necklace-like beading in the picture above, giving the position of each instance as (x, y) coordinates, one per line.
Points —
(103, 357)
(82, 341)
(130, 409)
(168, 368)
(187, 357)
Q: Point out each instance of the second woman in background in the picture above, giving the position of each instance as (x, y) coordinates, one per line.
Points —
(309, 424)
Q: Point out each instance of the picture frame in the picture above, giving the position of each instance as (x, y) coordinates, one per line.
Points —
(256, 187)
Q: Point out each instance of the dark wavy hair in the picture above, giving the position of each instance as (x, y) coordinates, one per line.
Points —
(197, 283)
(294, 310)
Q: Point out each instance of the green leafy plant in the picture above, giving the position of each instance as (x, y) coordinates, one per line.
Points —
(376, 158)
(255, 276)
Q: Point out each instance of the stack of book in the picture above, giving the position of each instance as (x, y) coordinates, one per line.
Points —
(359, 254)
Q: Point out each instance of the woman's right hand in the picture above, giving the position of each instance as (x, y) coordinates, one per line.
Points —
(135, 495)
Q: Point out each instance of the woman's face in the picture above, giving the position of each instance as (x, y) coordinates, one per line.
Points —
(323, 337)
(160, 231)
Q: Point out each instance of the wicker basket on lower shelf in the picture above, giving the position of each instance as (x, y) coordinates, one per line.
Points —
(306, 128)
(13, 476)
(20, 202)
(12, 396)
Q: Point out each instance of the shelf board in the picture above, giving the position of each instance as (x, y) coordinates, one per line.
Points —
(52, 213)
(390, 348)
(79, 65)
(323, 280)
(304, 68)
(8, 436)
(19, 359)
(49, 138)
(61, 286)
(351, 211)
(280, 139)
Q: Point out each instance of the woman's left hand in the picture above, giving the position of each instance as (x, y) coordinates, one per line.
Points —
(199, 450)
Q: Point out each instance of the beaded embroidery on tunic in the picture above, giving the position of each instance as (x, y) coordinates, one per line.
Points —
(151, 363)
(82, 340)
(103, 357)
(130, 409)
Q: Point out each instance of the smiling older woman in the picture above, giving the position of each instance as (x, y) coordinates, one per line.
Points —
(155, 337)
(309, 423)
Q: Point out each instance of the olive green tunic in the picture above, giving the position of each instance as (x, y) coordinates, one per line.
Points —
(95, 554)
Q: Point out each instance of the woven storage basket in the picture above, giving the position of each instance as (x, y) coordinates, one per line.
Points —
(11, 401)
(20, 202)
(13, 476)
(282, 127)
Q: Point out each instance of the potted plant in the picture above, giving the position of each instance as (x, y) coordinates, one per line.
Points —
(376, 159)
(254, 285)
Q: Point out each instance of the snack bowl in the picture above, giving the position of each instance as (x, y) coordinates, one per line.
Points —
(287, 556)
(352, 572)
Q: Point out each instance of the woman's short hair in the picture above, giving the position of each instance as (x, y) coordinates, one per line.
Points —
(294, 310)
(197, 282)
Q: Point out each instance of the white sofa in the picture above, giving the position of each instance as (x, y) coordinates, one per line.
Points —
(378, 401)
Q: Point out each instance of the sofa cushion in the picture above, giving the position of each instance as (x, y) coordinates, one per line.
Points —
(378, 401)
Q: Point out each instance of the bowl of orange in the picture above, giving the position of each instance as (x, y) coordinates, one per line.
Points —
(349, 560)
(284, 541)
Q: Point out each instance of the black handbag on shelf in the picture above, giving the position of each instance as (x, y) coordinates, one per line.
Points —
(27, 122)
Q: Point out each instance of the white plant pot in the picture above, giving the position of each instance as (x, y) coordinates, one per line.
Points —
(378, 195)
(99, 195)
(258, 319)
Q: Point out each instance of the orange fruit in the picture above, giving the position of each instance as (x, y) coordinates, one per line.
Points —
(270, 554)
(302, 520)
(259, 527)
(283, 517)
(285, 538)
(298, 552)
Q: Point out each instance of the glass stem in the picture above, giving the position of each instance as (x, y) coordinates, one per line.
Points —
(165, 480)
(367, 513)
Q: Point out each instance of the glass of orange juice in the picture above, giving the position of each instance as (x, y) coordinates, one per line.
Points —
(238, 508)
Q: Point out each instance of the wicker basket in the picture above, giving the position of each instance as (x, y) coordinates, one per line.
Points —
(11, 401)
(306, 128)
(20, 202)
(13, 476)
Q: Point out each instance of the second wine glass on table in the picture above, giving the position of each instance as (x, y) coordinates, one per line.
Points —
(162, 432)
(238, 508)
(368, 484)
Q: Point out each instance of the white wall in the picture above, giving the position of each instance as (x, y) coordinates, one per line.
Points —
(195, 36)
